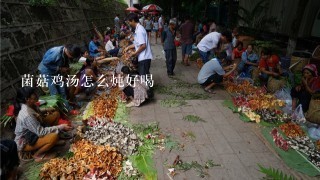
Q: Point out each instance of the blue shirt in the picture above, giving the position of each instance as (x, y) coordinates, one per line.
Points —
(93, 49)
(253, 57)
(210, 68)
(52, 60)
(168, 39)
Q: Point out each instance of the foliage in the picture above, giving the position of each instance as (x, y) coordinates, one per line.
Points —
(200, 169)
(193, 118)
(274, 174)
(122, 114)
(75, 67)
(258, 17)
(172, 103)
(266, 45)
(190, 135)
(144, 163)
(171, 144)
(5, 120)
(69, 155)
(42, 2)
(33, 170)
(55, 101)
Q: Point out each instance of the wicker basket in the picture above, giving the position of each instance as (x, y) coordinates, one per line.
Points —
(299, 60)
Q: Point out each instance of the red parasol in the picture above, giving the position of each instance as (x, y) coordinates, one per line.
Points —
(132, 9)
(152, 7)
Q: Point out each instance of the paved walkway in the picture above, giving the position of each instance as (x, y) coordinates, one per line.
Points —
(223, 138)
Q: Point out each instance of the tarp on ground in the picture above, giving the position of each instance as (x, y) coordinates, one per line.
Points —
(292, 158)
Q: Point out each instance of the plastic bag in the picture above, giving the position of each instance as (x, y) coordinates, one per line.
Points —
(284, 94)
(314, 133)
(298, 116)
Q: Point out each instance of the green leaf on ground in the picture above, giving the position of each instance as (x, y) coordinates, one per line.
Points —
(144, 163)
(193, 118)
(172, 103)
(200, 169)
(171, 144)
(274, 174)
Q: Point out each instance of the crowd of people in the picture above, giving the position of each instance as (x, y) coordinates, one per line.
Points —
(220, 51)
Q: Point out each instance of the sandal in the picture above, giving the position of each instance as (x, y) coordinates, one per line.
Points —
(209, 91)
(45, 157)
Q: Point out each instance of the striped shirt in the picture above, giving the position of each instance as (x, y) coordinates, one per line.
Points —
(27, 120)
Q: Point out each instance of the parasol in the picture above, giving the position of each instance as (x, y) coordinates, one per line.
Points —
(151, 7)
(132, 9)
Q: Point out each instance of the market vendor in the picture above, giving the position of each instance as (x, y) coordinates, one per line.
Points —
(56, 62)
(110, 48)
(136, 90)
(237, 51)
(269, 66)
(212, 73)
(95, 49)
(249, 61)
(302, 93)
(141, 44)
(30, 134)
(211, 41)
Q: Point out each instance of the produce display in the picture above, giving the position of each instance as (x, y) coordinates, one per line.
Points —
(306, 146)
(244, 87)
(104, 161)
(115, 135)
(250, 114)
(279, 140)
(292, 130)
(273, 116)
(105, 106)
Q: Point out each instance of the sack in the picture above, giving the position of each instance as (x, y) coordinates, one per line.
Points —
(298, 116)
(284, 94)
(275, 84)
(313, 114)
(31, 138)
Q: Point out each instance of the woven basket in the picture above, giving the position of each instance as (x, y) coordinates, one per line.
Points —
(299, 60)
(313, 114)
(275, 84)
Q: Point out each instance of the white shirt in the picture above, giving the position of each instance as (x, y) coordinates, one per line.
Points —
(209, 42)
(109, 46)
(141, 37)
(160, 23)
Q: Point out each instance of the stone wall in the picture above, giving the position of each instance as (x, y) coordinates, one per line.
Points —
(28, 31)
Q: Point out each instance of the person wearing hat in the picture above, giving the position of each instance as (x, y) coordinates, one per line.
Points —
(310, 84)
(167, 39)
(211, 41)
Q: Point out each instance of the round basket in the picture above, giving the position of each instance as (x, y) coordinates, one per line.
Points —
(299, 60)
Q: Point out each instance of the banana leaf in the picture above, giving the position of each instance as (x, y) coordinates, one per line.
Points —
(55, 101)
(144, 163)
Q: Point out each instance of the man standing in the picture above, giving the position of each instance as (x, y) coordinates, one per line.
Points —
(141, 44)
(186, 30)
(167, 39)
(56, 62)
(117, 23)
(211, 41)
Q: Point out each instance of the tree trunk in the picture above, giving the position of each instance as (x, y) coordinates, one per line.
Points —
(295, 26)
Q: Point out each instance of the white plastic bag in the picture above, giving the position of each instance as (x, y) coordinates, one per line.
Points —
(284, 94)
(298, 116)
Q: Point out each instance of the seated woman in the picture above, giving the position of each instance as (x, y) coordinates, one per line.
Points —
(30, 134)
(110, 48)
(136, 90)
(237, 51)
(87, 73)
(269, 66)
(249, 61)
(302, 93)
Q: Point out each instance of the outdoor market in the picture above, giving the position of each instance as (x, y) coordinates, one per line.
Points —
(160, 90)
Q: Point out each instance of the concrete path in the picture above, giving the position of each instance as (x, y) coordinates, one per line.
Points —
(237, 146)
